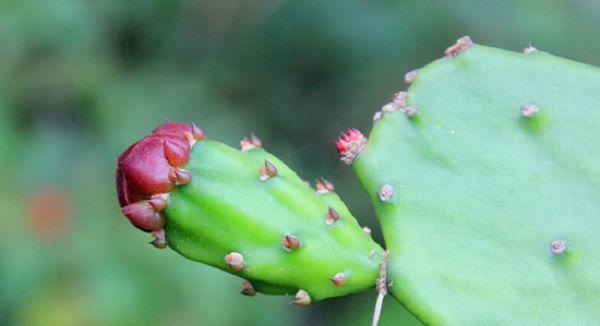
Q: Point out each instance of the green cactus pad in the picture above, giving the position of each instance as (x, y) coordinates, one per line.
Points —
(480, 191)
(227, 208)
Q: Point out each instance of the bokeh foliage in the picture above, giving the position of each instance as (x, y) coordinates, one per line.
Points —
(80, 80)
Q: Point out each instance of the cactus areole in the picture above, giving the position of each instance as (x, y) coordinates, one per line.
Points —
(245, 212)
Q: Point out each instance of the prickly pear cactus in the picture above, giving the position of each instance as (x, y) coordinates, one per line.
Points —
(247, 213)
(485, 176)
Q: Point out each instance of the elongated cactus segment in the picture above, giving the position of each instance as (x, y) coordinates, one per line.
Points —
(489, 196)
(247, 213)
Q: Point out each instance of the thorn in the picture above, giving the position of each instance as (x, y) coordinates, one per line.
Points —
(386, 192)
(371, 254)
(267, 171)
(377, 115)
(411, 111)
(248, 144)
(159, 241)
(410, 76)
(159, 201)
(350, 144)
(235, 260)
(175, 153)
(366, 230)
(558, 247)
(461, 45)
(332, 216)
(338, 279)
(180, 176)
(290, 242)
(255, 140)
(323, 186)
(197, 132)
(529, 110)
(302, 298)
(529, 49)
(248, 289)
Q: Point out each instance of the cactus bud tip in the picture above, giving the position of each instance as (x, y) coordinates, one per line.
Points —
(350, 144)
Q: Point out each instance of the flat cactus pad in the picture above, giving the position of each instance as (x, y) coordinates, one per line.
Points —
(486, 178)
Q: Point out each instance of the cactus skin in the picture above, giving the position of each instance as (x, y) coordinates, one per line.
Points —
(494, 217)
(248, 214)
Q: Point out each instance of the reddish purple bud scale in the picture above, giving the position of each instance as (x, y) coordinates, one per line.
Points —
(150, 168)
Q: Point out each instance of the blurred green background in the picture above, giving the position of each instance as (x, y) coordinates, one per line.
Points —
(80, 80)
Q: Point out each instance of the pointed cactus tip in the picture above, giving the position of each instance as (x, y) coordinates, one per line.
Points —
(290, 243)
(558, 247)
(410, 76)
(332, 216)
(461, 45)
(338, 279)
(248, 289)
(350, 144)
(197, 133)
(268, 171)
(302, 298)
(235, 260)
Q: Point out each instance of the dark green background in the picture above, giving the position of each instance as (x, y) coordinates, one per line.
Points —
(81, 80)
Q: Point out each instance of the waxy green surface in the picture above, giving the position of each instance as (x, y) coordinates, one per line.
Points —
(481, 192)
(226, 208)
